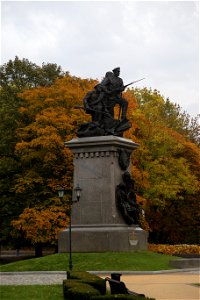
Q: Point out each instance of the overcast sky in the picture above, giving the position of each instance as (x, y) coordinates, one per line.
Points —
(157, 40)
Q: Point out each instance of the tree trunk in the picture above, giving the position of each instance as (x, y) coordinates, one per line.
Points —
(56, 249)
(38, 250)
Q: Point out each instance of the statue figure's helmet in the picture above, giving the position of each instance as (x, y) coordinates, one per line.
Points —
(116, 69)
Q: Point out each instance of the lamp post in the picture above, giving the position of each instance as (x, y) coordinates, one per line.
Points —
(77, 191)
(61, 192)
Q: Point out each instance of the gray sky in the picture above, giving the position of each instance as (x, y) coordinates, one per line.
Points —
(157, 40)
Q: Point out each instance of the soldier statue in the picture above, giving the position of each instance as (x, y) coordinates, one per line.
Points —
(100, 104)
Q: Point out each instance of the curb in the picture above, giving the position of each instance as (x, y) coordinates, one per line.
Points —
(148, 272)
(34, 273)
(104, 272)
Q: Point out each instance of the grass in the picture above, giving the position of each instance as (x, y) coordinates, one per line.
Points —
(109, 261)
(31, 292)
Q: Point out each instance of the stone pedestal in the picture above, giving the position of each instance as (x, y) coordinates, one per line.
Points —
(97, 225)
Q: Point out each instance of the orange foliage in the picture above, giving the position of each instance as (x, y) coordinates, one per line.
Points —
(52, 119)
(41, 225)
(174, 249)
(165, 166)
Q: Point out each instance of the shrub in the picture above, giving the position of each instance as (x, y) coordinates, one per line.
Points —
(86, 286)
(91, 279)
(68, 284)
(76, 290)
(119, 297)
(174, 249)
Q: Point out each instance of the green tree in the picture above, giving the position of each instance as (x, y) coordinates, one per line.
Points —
(18, 74)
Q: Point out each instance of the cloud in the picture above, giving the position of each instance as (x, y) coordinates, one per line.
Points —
(157, 40)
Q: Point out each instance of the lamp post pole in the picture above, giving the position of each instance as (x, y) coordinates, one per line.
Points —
(70, 241)
(61, 193)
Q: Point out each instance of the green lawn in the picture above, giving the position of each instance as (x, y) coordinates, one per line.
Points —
(112, 261)
(31, 292)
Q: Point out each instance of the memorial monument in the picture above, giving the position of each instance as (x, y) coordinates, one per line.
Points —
(107, 216)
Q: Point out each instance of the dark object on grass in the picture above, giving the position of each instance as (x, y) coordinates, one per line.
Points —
(116, 276)
(119, 287)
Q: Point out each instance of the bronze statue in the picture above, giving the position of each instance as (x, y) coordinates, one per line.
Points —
(124, 158)
(113, 87)
(126, 200)
(100, 103)
(93, 104)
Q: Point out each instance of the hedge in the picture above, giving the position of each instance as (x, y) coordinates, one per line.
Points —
(76, 290)
(91, 279)
(119, 297)
(86, 286)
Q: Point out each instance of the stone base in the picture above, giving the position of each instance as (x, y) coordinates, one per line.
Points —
(97, 223)
(185, 263)
(108, 238)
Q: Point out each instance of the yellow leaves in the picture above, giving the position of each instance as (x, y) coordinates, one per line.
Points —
(57, 117)
(132, 101)
(174, 249)
(165, 166)
(41, 225)
(49, 157)
(22, 110)
(28, 181)
(140, 176)
(52, 120)
(20, 146)
(52, 141)
(65, 93)
(141, 201)
(143, 223)
(171, 176)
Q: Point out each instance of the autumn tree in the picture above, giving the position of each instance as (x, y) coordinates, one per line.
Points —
(16, 76)
(166, 166)
(40, 226)
(48, 118)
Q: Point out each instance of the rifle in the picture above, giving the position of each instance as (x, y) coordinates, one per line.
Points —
(125, 86)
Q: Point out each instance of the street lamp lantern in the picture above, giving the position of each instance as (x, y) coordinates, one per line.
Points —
(61, 192)
(77, 191)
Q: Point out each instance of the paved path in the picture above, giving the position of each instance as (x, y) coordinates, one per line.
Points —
(167, 285)
(177, 286)
(31, 278)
